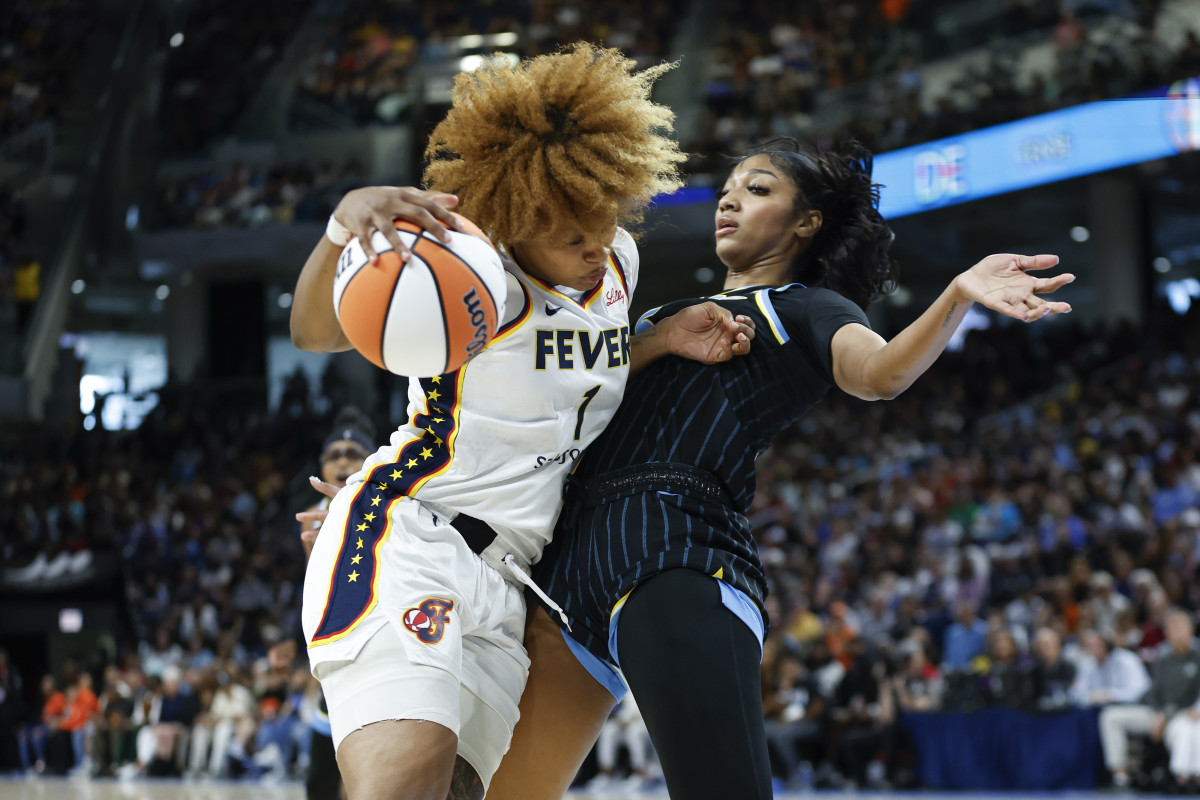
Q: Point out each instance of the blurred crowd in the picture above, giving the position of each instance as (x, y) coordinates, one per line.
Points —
(155, 718)
(202, 94)
(20, 270)
(37, 37)
(770, 70)
(246, 196)
(367, 57)
(960, 547)
(197, 506)
(956, 549)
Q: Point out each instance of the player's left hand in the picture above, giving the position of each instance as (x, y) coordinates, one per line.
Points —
(309, 534)
(709, 333)
(1002, 283)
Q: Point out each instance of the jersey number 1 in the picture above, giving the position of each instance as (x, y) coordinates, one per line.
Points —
(587, 398)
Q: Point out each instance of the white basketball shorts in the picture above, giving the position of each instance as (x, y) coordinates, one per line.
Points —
(403, 621)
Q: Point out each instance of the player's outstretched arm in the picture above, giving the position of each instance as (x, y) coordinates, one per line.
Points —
(360, 213)
(705, 332)
(867, 367)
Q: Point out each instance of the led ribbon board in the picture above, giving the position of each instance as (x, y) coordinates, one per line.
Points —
(1075, 141)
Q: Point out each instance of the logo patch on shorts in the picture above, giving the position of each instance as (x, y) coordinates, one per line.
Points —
(429, 620)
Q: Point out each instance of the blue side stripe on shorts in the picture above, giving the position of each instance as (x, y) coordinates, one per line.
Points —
(733, 598)
(604, 673)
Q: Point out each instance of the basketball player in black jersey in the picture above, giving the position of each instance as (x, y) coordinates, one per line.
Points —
(653, 559)
(345, 449)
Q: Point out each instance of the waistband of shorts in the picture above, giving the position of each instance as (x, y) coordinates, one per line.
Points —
(475, 532)
(657, 476)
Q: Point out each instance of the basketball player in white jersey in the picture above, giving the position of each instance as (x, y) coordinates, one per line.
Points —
(413, 604)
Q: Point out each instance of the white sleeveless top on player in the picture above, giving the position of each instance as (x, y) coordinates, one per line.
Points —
(496, 439)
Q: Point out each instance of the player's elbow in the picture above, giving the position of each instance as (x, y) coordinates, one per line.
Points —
(304, 337)
(303, 340)
(890, 391)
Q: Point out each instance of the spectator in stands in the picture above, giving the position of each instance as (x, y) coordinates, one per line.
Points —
(1174, 688)
(230, 715)
(855, 704)
(868, 747)
(877, 619)
(11, 712)
(840, 632)
(1106, 603)
(35, 734)
(164, 712)
(1110, 674)
(803, 624)
(794, 708)
(624, 726)
(1008, 677)
(163, 653)
(82, 707)
(27, 288)
(114, 743)
(1053, 675)
(1175, 697)
(919, 685)
(965, 639)
(274, 743)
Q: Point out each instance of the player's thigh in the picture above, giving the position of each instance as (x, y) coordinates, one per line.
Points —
(563, 709)
(403, 759)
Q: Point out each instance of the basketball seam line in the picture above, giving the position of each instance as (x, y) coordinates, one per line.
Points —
(388, 316)
(438, 289)
(465, 263)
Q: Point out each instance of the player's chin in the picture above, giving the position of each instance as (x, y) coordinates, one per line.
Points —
(589, 282)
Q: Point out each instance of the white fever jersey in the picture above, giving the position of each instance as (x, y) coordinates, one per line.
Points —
(496, 439)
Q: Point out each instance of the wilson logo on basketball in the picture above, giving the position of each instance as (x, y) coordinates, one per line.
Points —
(474, 307)
(613, 295)
(429, 620)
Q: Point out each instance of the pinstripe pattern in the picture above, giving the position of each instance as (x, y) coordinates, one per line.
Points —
(718, 419)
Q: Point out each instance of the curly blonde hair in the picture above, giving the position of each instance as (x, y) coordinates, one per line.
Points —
(555, 146)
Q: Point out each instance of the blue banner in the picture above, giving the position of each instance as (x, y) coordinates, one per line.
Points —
(1050, 147)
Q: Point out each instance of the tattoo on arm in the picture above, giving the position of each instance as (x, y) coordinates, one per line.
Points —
(949, 314)
(465, 784)
(640, 339)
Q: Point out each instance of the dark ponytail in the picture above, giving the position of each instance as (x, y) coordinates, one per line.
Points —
(850, 253)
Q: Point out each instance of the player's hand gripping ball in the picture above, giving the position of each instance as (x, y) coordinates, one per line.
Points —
(429, 315)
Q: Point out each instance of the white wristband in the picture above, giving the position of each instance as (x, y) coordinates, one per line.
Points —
(337, 233)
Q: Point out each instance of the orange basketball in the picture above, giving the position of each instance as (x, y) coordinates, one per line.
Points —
(427, 316)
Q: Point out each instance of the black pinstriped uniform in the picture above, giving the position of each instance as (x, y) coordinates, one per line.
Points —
(686, 436)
